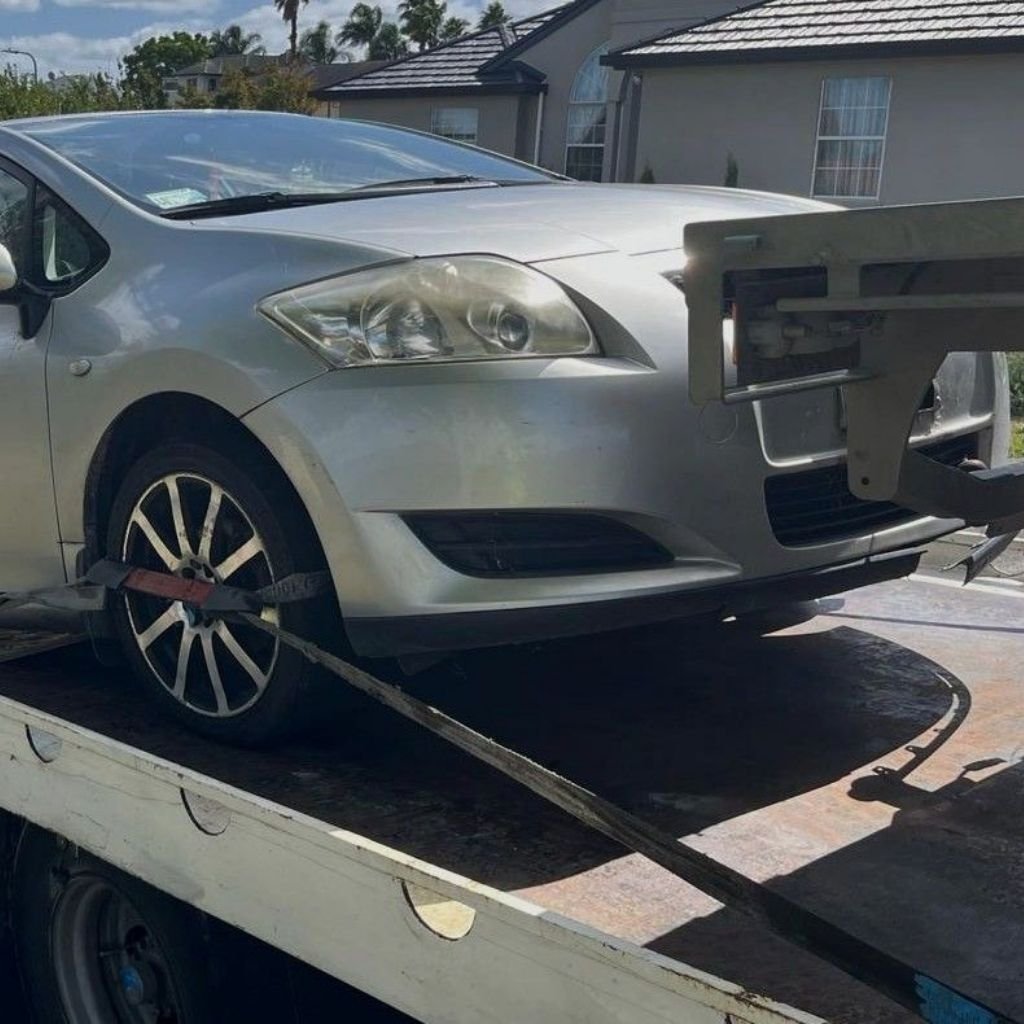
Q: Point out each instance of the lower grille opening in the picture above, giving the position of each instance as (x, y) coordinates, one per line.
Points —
(816, 506)
(534, 543)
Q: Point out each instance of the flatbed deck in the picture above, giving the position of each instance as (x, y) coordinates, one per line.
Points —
(759, 749)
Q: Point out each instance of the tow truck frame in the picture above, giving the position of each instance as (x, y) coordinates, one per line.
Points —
(438, 946)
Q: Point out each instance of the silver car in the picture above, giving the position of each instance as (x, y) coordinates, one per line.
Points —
(236, 346)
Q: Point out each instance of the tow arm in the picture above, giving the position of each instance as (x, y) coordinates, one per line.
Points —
(871, 301)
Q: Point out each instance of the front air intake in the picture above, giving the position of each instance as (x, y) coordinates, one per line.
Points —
(534, 543)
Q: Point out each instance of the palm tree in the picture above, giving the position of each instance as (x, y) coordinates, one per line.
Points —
(290, 12)
(388, 43)
(364, 22)
(233, 40)
(494, 14)
(421, 21)
(316, 46)
(453, 28)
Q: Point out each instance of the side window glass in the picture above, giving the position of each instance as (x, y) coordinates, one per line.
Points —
(13, 216)
(67, 247)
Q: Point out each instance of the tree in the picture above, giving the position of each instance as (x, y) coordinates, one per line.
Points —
(290, 12)
(453, 28)
(493, 14)
(421, 21)
(146, 67)
(233, 40)
(193, 98)
(388, 43)
(237, 91)
(285, 89)
(363, 24)
(732, 172)
(280, 88)
(22, 96)
(316, 45)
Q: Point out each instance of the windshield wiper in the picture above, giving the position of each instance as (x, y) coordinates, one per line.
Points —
(259, 201)
(438, 179)
(254, 203)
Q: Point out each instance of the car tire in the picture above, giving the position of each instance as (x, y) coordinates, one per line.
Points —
(238, 524)
(96, 945)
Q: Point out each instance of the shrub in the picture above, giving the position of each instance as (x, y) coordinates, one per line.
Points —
(732, 172)
(1016, 361)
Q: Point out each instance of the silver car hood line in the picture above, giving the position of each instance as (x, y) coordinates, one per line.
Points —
(526, 223)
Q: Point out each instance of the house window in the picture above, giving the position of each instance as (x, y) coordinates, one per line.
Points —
(456, 123)
(851, 137)
(588, 119)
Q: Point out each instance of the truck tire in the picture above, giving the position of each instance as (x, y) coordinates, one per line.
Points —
(96, 946)
(187, 509)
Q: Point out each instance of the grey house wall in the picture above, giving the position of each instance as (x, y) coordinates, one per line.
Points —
(560, 57)
(508, 124)
(956, 125)
(499, 120)
(616, 22)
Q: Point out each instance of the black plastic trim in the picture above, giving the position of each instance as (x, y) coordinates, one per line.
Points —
(422, 634)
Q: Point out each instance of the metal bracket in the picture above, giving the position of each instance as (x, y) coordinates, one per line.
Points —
(973, 249)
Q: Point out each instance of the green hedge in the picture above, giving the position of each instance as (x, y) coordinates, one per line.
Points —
(1017, 383)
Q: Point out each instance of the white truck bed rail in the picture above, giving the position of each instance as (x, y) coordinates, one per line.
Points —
(355, 909)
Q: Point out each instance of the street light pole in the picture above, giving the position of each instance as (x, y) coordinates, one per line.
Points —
(25, 53)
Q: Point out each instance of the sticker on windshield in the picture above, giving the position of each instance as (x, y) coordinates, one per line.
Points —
(176, 197)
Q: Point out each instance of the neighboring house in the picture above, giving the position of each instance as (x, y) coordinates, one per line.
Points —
(206, 75)
(535, 89)
(883, 102)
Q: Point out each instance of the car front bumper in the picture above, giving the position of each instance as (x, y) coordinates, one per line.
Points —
(614, 436)
(362, 458)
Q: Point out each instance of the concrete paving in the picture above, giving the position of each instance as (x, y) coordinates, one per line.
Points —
(866, 761)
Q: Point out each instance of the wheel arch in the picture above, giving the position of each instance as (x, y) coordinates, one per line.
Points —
(161, 418)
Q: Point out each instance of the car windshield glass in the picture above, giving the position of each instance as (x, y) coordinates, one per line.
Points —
(166, 161)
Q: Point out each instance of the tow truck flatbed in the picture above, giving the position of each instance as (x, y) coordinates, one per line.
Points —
(760, 750)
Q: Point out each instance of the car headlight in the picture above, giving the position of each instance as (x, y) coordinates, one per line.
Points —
(430, 310)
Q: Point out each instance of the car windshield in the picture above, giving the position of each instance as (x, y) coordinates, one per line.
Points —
(168, 161)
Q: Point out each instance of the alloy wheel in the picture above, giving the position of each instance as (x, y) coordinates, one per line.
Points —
(191, 526)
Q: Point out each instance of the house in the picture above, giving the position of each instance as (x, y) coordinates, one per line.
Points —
(206, 75)
(892, 101)
(536, 89)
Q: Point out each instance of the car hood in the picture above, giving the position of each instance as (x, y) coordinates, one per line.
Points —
(527, 223)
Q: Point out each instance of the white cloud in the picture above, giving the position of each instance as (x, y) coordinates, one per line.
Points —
(266, 20)
(165, 6)
(64, 52)
(19, 5)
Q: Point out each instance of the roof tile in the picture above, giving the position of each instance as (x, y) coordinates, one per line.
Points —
(452, 65)
(793, 24)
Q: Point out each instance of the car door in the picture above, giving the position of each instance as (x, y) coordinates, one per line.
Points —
(30, 553)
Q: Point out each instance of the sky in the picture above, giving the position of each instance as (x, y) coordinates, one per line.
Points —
(90, 35)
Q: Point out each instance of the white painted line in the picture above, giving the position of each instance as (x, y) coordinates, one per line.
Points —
(1000, 588)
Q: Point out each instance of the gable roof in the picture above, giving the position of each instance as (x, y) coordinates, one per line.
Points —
(479, 62)
(540, 26)
(815, 29)
(322, 76)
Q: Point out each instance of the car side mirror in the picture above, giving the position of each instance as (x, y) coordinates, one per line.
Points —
(8, 273)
